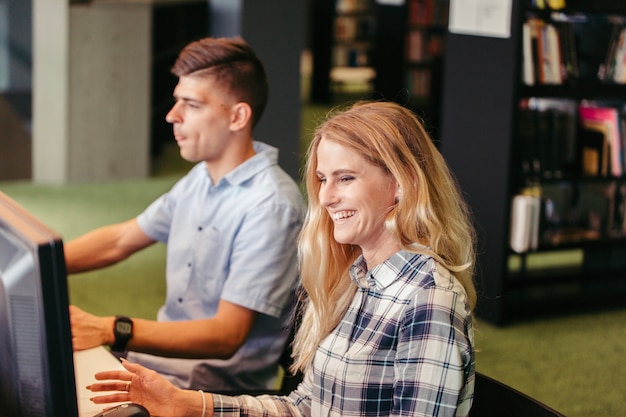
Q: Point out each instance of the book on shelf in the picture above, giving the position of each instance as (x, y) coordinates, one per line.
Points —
(542, 53)
(594, 151)
(419, 82)
(349, 28)
(546, 132)
(529, 167)
(528, 70)
(622, 136)
(415, 46)
(349, 56)
(349, 6)
(423, 45)
(561, 213)
(568, 52)
(345, 28)
(551, 55)
(548, 4)
(614, 193)
(605, 70)
(606, 120)
(619, 210)
(421, 12)
(525, 215)
(344, 6)
(593, 43)
(428, 12)
(596, 207)
(613, 68)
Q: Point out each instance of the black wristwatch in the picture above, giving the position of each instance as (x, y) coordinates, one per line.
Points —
(123, 331)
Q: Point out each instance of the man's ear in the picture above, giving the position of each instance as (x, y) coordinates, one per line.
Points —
(241, 116)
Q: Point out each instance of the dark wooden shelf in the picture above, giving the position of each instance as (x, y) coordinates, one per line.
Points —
(482, 94)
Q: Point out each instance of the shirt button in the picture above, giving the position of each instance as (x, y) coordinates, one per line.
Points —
(180, 300)
(189, 264)
(199, 228)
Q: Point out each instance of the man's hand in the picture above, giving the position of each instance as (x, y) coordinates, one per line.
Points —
(90, 331)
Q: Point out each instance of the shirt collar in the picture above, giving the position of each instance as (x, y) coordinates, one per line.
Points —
(265, 157)
(382, 275)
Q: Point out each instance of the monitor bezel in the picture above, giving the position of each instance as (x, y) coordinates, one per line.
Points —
(47, 248)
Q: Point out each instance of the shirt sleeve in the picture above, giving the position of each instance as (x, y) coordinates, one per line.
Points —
(263, 264)
(435, 356)
(156, 219)
(297, 404)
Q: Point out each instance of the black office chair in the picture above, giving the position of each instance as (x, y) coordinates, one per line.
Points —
(289, 380)
(495, 399)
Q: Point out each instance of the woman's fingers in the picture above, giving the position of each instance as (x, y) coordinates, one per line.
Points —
(113, 375)
(133, 367)
(112, 398)
(110, 386)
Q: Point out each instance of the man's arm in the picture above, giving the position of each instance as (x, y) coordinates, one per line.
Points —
(217, 337)
(104, 246)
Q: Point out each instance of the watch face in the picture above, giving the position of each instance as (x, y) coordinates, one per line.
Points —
(124, 327)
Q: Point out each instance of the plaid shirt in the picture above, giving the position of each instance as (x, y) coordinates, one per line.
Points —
(404, 348)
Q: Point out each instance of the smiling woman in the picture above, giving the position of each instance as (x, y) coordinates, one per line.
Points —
(382, 150)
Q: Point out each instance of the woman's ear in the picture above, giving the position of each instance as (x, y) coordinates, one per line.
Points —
(398, 195)
(241, 116)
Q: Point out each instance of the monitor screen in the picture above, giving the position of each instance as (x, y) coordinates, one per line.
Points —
(36, 359)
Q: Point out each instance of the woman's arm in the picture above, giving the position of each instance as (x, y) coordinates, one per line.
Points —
(161, 398)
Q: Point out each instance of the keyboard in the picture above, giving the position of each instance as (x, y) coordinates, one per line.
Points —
(86, 364)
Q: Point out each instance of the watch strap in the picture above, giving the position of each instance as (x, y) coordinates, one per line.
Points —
(123, 332)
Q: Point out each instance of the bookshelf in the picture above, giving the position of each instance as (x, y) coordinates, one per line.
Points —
(352, 53)
(427, 21)
(344, 46)
(546, 185)
(393, 50)
(409, 66)
(354, 33)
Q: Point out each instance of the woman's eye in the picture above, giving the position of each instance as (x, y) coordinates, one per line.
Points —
(346, 178)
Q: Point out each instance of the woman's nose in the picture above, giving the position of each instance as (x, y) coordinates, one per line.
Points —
(327, 195)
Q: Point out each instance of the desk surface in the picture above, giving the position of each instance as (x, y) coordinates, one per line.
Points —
(86, 364)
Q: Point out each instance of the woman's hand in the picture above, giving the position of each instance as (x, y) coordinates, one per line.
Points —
(146, 387)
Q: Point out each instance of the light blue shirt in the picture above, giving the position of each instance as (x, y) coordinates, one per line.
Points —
(237, 241)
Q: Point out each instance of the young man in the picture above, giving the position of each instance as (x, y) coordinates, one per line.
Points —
(231, 227)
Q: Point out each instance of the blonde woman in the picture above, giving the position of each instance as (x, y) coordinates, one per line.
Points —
(386, 257)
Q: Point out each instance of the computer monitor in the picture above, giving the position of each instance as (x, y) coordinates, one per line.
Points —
(36, 359)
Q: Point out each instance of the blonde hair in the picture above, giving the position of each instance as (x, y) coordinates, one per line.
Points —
(430, 217)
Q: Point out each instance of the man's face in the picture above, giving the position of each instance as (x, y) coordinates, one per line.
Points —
(201, 118)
